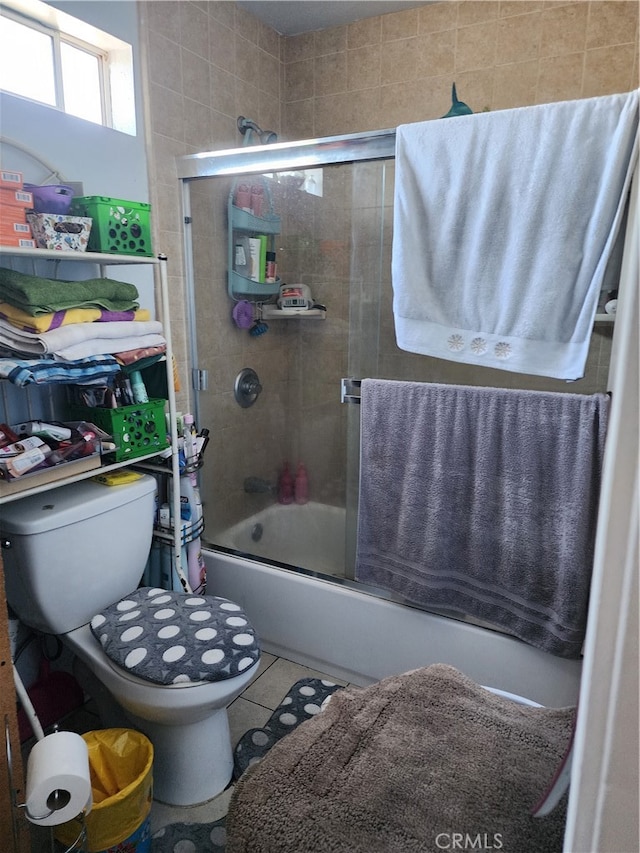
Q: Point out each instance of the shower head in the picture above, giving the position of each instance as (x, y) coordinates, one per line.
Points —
(265, 136)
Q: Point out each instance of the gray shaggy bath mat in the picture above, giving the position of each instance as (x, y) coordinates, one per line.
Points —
(412, 763)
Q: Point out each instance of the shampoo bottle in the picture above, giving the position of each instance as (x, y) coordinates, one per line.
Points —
(285, 486)
(302, 485)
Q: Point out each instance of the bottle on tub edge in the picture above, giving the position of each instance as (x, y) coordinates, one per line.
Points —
(285, 486)
(301, 489)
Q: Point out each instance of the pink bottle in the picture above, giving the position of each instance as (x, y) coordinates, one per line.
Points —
(243, 197)
(302, 485)
(285, 486)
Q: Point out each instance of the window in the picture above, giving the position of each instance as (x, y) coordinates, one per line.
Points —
(70, 66)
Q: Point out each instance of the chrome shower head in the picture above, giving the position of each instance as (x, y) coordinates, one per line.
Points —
(265, 136)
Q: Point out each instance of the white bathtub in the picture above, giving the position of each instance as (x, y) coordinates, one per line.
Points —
(334, 627)
(311, 536)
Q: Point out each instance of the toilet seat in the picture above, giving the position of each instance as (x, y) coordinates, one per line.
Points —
(172, 638)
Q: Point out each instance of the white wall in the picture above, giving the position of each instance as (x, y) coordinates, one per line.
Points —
(108, 162)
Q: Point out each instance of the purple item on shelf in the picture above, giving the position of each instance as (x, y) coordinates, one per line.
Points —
(51, 199)
(243, 314)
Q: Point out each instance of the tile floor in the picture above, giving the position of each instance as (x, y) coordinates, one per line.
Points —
(251, 709)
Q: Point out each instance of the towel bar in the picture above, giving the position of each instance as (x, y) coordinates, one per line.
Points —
(347, 387)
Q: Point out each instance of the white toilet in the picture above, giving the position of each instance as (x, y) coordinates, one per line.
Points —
(73, 558)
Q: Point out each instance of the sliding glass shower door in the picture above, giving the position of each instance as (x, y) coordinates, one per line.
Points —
(332, 247)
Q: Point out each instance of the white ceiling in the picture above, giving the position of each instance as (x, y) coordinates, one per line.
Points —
(292, 17)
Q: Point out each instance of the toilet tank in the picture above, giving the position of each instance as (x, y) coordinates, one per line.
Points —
(72, 551)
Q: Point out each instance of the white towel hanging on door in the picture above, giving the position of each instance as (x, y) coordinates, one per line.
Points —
(503, 225)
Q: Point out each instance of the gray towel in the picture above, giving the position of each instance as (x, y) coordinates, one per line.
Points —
(483, 501)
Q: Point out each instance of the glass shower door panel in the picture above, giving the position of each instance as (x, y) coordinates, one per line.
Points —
(370, 306)
(297, 416)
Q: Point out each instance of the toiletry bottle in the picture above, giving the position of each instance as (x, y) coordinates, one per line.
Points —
(270, 277)
(302, 485)
(257, 199)
(285, 486)
(138, 388)
(190, 444)
(243, 197)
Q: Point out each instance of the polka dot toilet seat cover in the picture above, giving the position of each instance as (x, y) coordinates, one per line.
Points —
(173, 637)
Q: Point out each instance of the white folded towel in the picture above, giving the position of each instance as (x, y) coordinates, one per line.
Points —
(108, 346)
(503, 225)
(61, 339)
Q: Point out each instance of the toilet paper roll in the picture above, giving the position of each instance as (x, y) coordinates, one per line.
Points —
(58, 779)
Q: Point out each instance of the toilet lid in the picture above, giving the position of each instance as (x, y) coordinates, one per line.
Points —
(172, 637)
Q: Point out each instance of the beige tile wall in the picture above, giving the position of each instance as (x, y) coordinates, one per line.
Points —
(209, 62)
(381, 72)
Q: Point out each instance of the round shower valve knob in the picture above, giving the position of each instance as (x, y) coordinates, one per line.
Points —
(247, 387)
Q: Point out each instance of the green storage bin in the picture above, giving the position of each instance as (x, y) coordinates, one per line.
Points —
(136, 430)
(119, 227)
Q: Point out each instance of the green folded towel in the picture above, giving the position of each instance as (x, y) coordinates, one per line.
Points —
(36, 295)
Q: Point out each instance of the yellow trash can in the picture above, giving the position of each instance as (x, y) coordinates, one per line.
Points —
(120, 764)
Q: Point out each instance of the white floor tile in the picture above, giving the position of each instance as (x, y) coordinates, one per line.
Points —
(163, 815)
(244, 715)
(270, 688)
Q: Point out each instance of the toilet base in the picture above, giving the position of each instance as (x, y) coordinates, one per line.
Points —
(191, 763)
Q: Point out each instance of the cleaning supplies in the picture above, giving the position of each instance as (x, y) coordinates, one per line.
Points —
(190, 443)
(301, 488)
(285, 485)
(191, 508)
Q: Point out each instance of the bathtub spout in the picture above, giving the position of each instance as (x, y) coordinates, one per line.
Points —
(256, 485)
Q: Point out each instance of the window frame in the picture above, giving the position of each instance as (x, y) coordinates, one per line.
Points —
(114, 62)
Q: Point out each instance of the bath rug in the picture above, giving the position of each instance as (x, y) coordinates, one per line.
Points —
(190, 838)
(304, 700)
(415, 762)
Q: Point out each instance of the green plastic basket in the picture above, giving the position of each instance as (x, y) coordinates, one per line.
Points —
(119, 227)
(136, 430)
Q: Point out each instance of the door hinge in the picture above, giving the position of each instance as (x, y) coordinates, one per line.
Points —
(200, 379)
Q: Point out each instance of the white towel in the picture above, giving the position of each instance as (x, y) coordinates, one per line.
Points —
(58, 340)
(503, 225)
(108, 346)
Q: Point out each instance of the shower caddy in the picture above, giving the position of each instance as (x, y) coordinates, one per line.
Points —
(243, 223)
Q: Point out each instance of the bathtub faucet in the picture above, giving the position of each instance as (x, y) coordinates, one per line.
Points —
(256, 485)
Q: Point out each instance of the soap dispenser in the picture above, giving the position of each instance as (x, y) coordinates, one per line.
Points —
(285, 486)
(302, 485)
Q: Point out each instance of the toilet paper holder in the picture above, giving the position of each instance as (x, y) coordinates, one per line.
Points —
(60, 800)
(78, 843)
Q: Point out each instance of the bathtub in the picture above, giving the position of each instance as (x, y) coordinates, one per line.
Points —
(333, 626)
(310, 536)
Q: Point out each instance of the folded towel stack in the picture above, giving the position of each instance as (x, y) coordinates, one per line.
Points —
(96, 327)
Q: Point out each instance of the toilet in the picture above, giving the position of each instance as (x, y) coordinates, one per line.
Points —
(73, 559)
